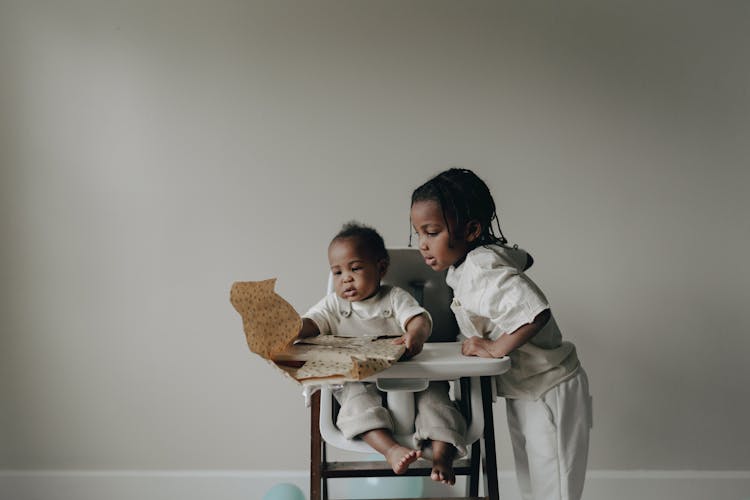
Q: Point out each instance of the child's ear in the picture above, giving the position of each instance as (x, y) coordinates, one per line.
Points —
(473, 230)
(382, 267)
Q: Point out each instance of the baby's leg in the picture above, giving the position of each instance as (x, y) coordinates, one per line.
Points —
(362, 414)
(362, 410)
(398, 457)
(440, 423)
(443, 455)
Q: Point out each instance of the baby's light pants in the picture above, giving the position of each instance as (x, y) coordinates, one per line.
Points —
(437, 417)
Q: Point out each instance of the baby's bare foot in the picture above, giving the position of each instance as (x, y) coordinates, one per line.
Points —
(443, 472)
(442, 462)
(399, 457)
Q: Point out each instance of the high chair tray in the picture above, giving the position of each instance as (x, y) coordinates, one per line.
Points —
(443, 361)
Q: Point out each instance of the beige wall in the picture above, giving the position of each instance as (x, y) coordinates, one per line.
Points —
(154, 152)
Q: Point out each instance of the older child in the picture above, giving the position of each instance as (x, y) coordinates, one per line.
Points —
(502, 312)
(362, 306)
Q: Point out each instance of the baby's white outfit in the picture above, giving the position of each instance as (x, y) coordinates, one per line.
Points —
(546, 389)
(362, 410)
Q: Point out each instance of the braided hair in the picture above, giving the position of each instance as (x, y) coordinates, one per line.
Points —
(463, 195)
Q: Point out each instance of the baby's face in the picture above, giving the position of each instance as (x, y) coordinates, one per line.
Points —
(356, 275)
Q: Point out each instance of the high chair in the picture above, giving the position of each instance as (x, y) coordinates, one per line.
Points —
(441, 359)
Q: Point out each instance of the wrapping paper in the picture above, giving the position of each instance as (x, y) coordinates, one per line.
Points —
(271, 326)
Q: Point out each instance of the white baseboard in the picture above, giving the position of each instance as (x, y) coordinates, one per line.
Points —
(252, 485)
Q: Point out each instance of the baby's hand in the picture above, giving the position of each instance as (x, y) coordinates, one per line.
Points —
(308, 329)
(417, 331)
(412, 342)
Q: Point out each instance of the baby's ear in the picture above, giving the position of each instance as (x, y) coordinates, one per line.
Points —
(382, 266)
(473, 230)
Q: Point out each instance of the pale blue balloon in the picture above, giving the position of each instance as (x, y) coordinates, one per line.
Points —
(385, 487)
(361, 488)
(284, 491)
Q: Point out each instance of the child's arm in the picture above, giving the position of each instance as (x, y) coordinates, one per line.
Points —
(417, 330)
(504, 344)
(309, 329)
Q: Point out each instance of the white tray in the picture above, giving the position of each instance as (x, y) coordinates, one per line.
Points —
(443, 361)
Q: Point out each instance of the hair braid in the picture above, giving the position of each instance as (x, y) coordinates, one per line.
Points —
(462, 194)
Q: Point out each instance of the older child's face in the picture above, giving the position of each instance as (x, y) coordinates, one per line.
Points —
(356, 274)
(440, 247)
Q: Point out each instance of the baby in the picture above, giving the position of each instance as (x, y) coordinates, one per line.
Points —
(361, 306)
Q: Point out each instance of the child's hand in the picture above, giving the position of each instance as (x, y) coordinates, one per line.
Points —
(413, 344)
(505, 343)
(477, 346)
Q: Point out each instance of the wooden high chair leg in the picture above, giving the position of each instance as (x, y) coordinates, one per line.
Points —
(316, 449)
(491, 488)
(472, 481)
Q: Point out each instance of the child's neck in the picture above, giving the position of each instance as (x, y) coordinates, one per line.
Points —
(373, 294)
(469, 248)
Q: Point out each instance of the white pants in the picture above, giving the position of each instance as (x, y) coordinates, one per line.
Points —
(550, 438)
(437, 417)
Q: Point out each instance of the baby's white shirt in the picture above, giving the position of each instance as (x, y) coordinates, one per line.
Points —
(387, 312)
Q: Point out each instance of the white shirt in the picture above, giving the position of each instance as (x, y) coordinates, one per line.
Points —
(386, 312)
(492, 297)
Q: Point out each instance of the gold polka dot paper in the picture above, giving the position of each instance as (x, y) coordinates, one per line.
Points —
(271, 324)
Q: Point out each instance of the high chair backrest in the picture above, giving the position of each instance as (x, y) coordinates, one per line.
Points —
(409, 271)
